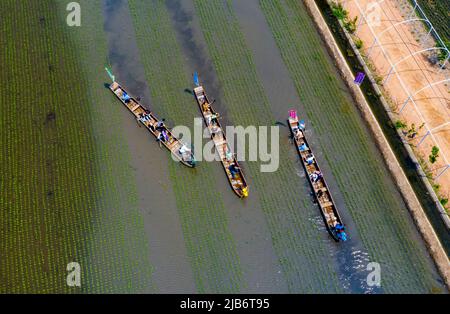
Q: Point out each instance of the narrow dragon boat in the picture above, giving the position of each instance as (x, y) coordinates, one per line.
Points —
(230, 164)
(322, 193)
(155, 126)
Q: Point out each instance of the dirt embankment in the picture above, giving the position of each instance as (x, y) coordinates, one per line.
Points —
(434, 246)
(397, 45)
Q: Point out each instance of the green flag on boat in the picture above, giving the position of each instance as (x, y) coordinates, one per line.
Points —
(113, 78)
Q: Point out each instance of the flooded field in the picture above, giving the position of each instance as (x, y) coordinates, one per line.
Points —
(161, 227)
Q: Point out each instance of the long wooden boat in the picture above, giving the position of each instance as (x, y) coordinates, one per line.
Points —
(179, 150)
(322, 193)
(210, 117)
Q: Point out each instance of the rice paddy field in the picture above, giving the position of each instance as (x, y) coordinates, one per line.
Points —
(438, 12)
(81, 182)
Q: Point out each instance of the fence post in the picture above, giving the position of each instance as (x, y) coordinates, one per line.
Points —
(388, 76)
(414, 10)
(406, 102)
(442, 172)
(423, 138)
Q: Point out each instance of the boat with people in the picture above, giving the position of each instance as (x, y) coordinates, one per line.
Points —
(315, 177)
(230, 164)
(155, 126)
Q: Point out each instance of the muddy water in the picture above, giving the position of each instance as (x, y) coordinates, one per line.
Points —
(149, 163)
(351, 259)
(261, 270)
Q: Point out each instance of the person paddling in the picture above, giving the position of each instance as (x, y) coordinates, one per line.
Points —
(233, 170)
(160, 126)
(303, 147)
(309, 159)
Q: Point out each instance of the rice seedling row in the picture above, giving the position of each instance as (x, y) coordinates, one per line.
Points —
(438, 13)
(302, 258)
(210, 246)
(370, 195)
(129, 268)
(51, 190)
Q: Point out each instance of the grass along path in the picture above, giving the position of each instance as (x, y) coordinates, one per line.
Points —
(210, 246)
(370, 195)
(289, 214)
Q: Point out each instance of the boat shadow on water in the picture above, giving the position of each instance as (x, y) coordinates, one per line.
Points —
(123, 53)
(189, 91)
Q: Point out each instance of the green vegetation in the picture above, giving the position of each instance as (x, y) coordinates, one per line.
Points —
(438, 12)
(444, 201)
(209, 243)
(338, 11)
(341, 14)
(443, 54)
(287, 212)
(359, 43)
(434, 154)
(67, 191)
(61, 199)
(436, 187)
(425, 167)
(360, 173)
(399, 124)
(412, 132)
(350, 25)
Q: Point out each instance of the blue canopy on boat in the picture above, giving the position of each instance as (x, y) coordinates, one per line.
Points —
(125, 97)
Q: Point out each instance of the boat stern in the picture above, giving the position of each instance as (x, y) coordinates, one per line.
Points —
(192, 161)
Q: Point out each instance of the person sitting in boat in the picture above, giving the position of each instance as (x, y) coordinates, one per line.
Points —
(309, 159)
(184, 150)
(302, 147)
(125, 97)
(160, 126)
(227, 152)
(163, 136)
(340, 231)
(339, 227)
(301, 125)
(160, 138)
(233, 169)
(319, 194)
(316, 176)
(298, 134)
(145, 117)
(319, 175)
(206, 107)
(212, 118)
(166, 135)
(215, 129)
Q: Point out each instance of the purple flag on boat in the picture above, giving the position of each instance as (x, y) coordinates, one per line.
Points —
(360, 78)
